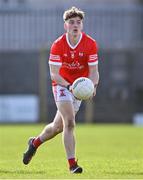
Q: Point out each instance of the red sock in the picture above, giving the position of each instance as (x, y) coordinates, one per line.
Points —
(37, 142)
(72, 162)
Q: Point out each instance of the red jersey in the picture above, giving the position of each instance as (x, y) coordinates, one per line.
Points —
(74, 61)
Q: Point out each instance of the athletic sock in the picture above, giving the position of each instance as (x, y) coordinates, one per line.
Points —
(37, 142)
(72, 162)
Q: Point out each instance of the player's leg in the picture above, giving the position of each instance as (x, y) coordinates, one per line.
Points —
(67, 111)
(68, 115)
(50, 131)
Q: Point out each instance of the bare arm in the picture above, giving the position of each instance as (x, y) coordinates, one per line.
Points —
(94, 76)
(54, 72)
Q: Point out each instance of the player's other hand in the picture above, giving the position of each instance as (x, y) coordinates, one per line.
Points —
(94, 93)
(69, 87)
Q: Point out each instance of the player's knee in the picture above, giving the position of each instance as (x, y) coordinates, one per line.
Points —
(70, 125)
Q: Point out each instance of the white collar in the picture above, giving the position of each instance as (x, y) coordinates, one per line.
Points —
(73, 47)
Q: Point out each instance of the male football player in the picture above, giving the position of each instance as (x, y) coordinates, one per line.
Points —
(72, 55)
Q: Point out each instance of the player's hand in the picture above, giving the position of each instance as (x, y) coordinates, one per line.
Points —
(69, 87)
(95, 87)
(94, 93)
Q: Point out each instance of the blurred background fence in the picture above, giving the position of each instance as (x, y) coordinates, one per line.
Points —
(25, 86)
(113, 27)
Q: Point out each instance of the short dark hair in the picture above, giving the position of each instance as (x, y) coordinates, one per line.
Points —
(73, 12)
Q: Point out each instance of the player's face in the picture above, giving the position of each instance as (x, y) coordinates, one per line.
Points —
(74, 26)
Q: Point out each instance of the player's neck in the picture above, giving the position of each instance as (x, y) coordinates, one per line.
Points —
(73, 40)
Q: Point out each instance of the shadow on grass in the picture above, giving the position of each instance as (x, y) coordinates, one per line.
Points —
(21, 172)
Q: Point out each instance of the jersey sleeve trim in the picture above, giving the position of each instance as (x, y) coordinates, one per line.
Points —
(93, 63)
(55, 63)
(93, 57)
(55, 59)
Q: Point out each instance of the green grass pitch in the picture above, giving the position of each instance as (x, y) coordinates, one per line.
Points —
(104, 151)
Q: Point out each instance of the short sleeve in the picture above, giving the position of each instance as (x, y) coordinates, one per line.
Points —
(55, 57)
(92, 54)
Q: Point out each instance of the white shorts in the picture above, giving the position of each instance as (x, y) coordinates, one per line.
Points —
(63, 94)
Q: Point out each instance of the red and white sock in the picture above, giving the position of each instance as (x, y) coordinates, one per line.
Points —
(71, 162)
(37, 142)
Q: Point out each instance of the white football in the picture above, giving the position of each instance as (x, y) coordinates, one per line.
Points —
(83, 88)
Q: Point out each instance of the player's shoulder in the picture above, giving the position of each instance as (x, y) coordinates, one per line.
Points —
(58, 43)
(59, 40)
(90, 42)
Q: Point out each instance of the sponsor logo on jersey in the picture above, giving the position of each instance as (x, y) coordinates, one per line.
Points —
(73, 65)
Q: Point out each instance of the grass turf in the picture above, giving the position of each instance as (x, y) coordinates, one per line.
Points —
(104, 151)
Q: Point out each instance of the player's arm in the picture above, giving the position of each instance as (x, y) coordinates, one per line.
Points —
(55, 75)
(94, 76)
(93, 65)
(55, 63)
